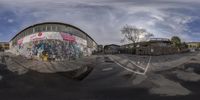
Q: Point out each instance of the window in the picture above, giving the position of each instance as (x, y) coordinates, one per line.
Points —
(69, 30)
(30, 31)
(54, 28)
(43, 28)
(59, 28)
(48, 27)
(64, 29)
(37, 29)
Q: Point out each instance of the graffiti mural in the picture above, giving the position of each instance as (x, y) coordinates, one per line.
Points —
(52, 46)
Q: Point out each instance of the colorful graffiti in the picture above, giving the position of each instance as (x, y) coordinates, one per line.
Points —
(52, 46)
(68, 37)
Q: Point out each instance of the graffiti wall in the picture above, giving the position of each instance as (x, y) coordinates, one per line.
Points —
(55, 46)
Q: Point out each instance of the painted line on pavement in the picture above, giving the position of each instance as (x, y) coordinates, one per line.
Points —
(147, 67)
(126, 67)
(107, 69)
(136, 65)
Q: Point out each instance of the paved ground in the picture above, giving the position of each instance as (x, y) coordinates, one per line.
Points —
(139, 63)
(107, 81)
(22, 65)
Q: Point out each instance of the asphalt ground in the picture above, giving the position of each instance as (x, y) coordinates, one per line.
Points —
(107, 81)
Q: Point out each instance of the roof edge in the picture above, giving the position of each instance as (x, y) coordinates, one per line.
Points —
(52, 23)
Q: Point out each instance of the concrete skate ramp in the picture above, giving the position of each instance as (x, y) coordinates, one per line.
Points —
(194, 66)
(72, 69)
(78, 74)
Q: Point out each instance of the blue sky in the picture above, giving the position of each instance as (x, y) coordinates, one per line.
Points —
(103, 19)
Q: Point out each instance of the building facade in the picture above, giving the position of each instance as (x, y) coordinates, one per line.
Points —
(4, 46)
(193, 45)
(155, 46)
(111, 49)
(53, 40)
(100, 49)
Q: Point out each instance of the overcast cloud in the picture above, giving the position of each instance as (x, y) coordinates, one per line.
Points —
(103, 19)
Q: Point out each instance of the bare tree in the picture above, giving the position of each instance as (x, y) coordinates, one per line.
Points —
(132, 34)
(148, 35)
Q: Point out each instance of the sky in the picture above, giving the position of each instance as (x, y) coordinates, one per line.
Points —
(103, 19)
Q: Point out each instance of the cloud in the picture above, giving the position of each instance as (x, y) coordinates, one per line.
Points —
(103, 19)
(10, 20)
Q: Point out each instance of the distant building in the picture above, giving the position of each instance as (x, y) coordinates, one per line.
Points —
(155, 46)
(127, 48)
(4, 46)
(193, 44)
(111, 49)
(100, 48)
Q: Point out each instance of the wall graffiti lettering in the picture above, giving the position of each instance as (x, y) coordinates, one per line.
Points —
(52, 46)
